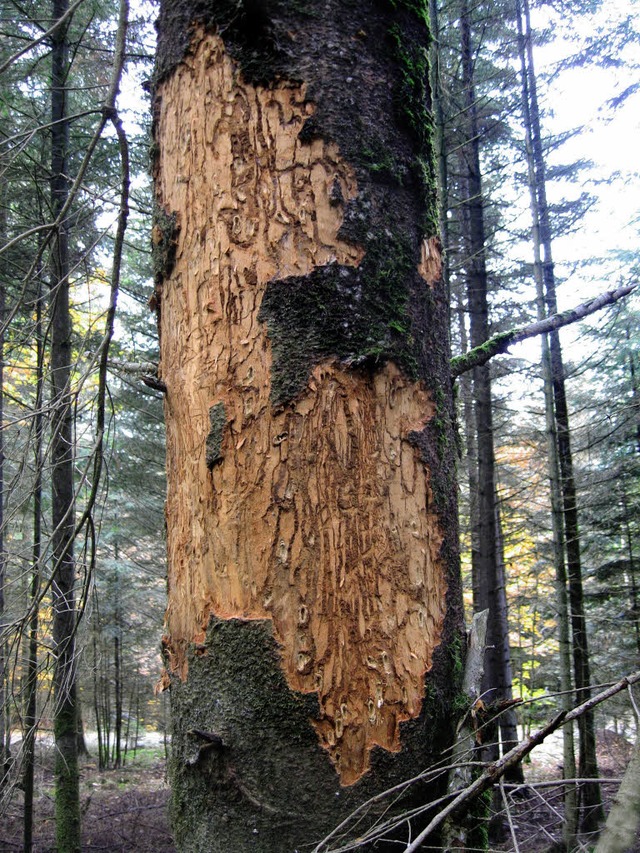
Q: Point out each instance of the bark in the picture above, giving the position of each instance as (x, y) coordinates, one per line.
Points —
(634, 600)
(459, 833)
(314, 617)
(488, 564)
(628, 515)
(116, 756)
(62, 497)
(5, 727)
(439, 122)
(31, 692)
(570, 823)
(593, 812)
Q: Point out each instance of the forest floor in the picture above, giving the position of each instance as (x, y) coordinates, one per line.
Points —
(125, 810)
(532, 815)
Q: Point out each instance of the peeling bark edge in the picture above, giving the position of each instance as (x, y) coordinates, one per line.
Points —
(220, 777)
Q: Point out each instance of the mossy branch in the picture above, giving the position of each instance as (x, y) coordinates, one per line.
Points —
(500, 343)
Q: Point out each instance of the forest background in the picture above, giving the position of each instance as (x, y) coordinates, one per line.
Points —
(539, 175)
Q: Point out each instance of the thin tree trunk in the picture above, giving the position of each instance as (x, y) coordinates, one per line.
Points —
(439, 122)
(117, 663)
(508, 721)
(30, 714)
(127, 732)
(67, 804)
(465, 392)
(593, 813)
(96, 702)
(117, 737)
(489, 583)
(5, 727)
(635, 393)
(633, 581)
(562, 604)
(81, 740)
(105, 703)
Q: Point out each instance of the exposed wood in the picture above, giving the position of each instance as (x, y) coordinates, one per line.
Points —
(297, 521)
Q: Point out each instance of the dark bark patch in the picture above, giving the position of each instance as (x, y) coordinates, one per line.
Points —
(164, 242)
(217, 423)
(265, 783)
(270, 777)
(355, 314)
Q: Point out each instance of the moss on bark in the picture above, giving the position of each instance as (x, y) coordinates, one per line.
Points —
(247, 770)
(67, 807)
(357, 314)
(267, 784)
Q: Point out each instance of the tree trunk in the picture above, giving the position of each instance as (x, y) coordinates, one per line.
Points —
(117, 737)
(570, 824)
(627, 513)
(62, 498)
(5, 723)
(593, 812)
(314, 597)
(488, 564)
(439, 122)
(31, 692)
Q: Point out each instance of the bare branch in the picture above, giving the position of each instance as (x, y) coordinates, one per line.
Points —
(134, 368)
(499, 344)
(496, 771)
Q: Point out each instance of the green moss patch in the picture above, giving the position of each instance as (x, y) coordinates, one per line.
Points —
(355, 314)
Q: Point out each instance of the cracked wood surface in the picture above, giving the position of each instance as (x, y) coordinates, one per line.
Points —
(317, 516)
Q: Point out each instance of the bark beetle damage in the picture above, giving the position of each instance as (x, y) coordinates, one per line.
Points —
(430, 266)
(299, 523)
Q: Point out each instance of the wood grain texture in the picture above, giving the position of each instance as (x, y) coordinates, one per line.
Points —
(317, 515)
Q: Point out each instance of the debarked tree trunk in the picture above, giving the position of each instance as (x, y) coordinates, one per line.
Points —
(314, 625)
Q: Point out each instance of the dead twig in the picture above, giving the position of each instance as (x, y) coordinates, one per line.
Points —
(495, 771)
